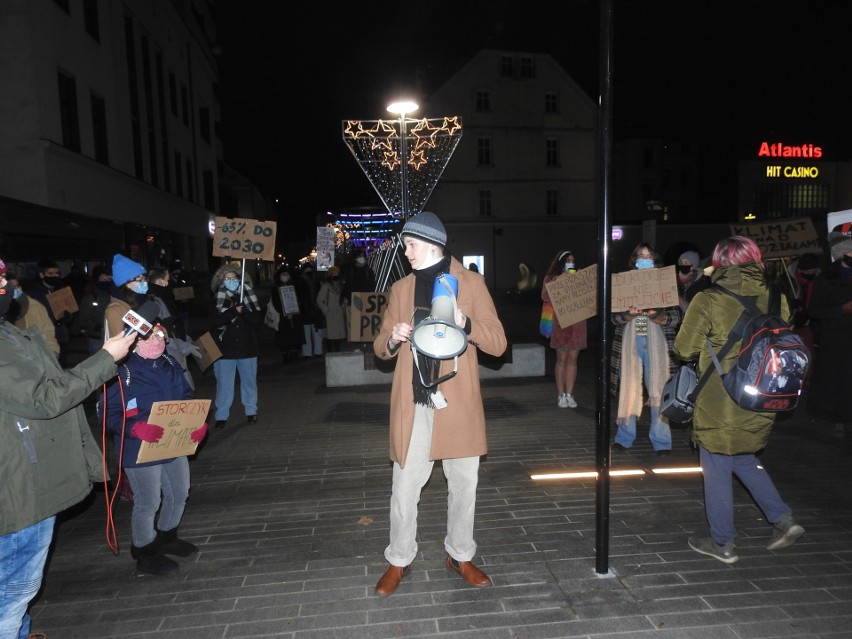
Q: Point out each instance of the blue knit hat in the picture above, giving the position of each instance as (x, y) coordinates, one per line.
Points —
(124, 270)
(427, 227)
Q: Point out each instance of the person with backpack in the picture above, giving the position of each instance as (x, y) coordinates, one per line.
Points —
(729, 437)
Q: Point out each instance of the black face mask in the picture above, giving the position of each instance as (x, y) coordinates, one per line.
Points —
(847, 261)
(6, 298)
(684, 268)
(53, 282)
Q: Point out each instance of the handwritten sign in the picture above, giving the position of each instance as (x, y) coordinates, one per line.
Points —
(183, 293)
(325, 247)
(289, 302)
(574, 295)
(365, 316)
(244, 238)
(781, 238)
(644, 288)
(178, 419)
(62, 300)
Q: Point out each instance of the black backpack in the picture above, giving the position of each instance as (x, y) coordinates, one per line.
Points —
(769, 372)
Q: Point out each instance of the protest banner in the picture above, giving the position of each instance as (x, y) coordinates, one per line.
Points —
(62, 300)
(181, 293)
(326, 239)
(644, 288)
(178, 419)
(574, 295)
(781, 238)
(244, 238)
(289, 302)
(208, 351)
(365, 316)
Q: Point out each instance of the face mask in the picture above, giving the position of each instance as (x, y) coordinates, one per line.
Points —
(360, 261)
(103, 286)
(644, 263)
(684, 269)
(53, 282)
(285, 278)
(5, 298)
(807, 275)
(151, 348)
(141, 288)
(569, 266)
(232, 285)
(17, 294)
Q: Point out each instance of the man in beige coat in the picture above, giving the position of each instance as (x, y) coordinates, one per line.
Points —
(444, 421)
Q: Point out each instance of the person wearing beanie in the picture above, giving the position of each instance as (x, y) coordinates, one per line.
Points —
(48, 455)
(129, 291)
(830, 307)
(435, 414)
(690, 278)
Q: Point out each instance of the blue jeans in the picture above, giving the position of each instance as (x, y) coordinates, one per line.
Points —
(163, 487)
(225, 371)
(660, 434)
(719, 492)
(22, 557)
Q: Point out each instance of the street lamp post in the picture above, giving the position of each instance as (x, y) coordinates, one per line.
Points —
(401, 108)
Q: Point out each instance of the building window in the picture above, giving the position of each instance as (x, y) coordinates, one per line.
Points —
(204, 123)
(552, 203)
(483, 152)
(507, 66)
(99, 129)
(552, 152)
(90, 19)
(135, 124)
(184, 103)
(178, 175)
(150, 132)
(173, 93)
(483, 101)
(190, 191)
(551, 102)
(161, 112)
(68, 112)
(209, 191)
(484, 203)
(527, 68)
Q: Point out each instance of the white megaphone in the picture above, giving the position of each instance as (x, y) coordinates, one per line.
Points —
(438, 336)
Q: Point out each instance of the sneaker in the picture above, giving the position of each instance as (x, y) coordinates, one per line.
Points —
(785, 533)
(706, 546)
(562, 402)
(570, 401)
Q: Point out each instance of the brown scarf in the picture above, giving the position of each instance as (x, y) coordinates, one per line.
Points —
(631, 380)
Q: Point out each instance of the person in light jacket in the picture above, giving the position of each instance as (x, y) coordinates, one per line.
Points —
(445, 421)
(729, 437)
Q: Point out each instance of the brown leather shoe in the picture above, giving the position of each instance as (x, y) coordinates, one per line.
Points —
(472, 575)
(390, 580)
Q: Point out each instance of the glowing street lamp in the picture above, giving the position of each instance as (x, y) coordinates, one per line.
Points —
(401, 108)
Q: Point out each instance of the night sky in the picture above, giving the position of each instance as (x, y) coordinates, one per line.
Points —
(724, 74)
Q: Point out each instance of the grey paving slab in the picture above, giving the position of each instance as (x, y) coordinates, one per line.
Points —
(290, 516)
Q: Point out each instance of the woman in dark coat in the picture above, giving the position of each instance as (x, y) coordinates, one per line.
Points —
(831, 306)
(291, 333)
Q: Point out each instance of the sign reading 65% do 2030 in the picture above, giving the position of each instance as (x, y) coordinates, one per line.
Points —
(244, 238)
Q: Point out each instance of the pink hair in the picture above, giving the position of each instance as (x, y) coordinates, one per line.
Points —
(736, 250)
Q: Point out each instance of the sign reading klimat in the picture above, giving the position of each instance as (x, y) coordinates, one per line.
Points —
(781, 238)
(575, 295)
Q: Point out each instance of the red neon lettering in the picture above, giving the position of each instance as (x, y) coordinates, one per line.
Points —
(781, 150)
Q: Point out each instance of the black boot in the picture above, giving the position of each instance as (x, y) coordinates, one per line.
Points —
(150, 559)
(171, 545)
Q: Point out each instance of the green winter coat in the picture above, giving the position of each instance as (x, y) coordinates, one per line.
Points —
(48, 455)
(719, 425)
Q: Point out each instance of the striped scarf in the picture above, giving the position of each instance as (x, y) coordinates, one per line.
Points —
(225, 299)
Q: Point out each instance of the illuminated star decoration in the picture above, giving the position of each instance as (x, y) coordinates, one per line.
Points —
(377, 147)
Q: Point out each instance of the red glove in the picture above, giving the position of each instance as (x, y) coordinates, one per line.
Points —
(198, 434)
(147, 432)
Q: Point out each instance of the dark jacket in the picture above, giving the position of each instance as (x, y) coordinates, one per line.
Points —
(92, 309)
(140, 382)
(235, 333)
(719, 425)
(48, 456)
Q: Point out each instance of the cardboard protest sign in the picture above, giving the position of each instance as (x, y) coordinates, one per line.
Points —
(574, 295)
(836, 218)
(644, 288)
(62, 300)
(781, 238)
(365, 316)
(326, 238)
(209, 351)
(178, 419)
(183, 293)
(289, 303)
(244, 238)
